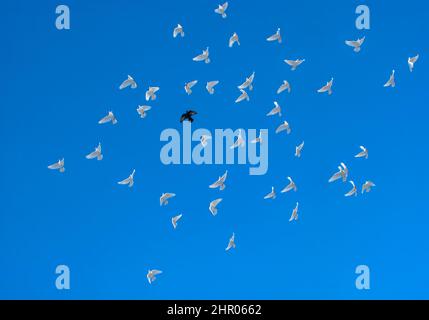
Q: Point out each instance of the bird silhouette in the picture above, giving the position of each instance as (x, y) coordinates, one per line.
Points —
(188, 116)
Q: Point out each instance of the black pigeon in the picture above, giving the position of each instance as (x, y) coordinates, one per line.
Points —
(188, 116)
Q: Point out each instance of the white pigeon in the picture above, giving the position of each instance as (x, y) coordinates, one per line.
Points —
(294, 63)
(366, 187)
(163, 200)
(203, 56)
(356, 44)
(248, 83)
(109, 118)
(175, 219)
(259, 139)
(285, 86)
(213, 206)
(353, 191)
(276, 37)
(58, 166)
(327, 88)
(276, 110)
(231, 242)
(96, 153)
(189, 85)
(284, 126)
(239, 142)
(210, 86)
(150, 93)
(221, 9)
(220, 183)
(204, 140)
(298, 150)
(141, 110)
(271, 195)
(129, 82)
(294, 215)
(234, 39)
(178, 30)
(243, 96)
(363, 153)
(412, 61)
(128, 181)
(290, 186)
(344, 172)
(151, 275)
(391, 82)
(337, 175)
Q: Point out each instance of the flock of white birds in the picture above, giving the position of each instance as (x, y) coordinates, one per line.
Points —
(342, 173)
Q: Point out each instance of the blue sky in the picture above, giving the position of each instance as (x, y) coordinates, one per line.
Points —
(56, 85)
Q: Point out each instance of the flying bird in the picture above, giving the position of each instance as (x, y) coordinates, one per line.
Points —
(243, 96)
(128, 181)
(203, 56)
(353, 191)
(141, 110)
(366, 187)
(294, 215)
(276, 37)
(412, 61)
(294, 63)
(221, 9)
(233, 39)
(210, 86)
(189, 85)
(129, 82)
(109, 118)
(248, 83)
(178, 30)
(327, 88)
(239, 142)
(231, 242)
(356, 44)
(213, 206)
(298, 150)
(175, 219)
(344, 172)
(150, 93)
(96, 153)
(363, 153)
(163, 200)
(151, 275)
(58, 166)
(284, 86)
(391, 82)
(290, 186)
(284, 126)
(337, 175)
(259, 139)
(188, 116)
(220, 183)
(204, 140)
(276, 110)
(271, 195)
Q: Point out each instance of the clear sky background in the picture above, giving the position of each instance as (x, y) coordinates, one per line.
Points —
(56, 85)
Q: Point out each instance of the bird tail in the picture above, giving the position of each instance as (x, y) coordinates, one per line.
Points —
(62, 169)
(100, 157)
